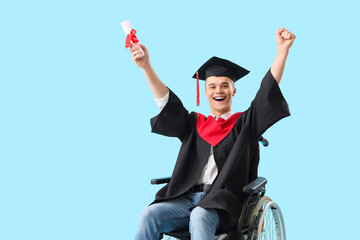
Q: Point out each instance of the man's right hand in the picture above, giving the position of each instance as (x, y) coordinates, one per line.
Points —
(136, 52)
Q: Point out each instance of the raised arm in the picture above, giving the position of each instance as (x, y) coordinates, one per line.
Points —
(156, 85)
(284, 40)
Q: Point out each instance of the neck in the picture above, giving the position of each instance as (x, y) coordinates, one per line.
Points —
(219, 113)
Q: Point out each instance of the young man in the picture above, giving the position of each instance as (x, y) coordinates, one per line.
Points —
(219, 153)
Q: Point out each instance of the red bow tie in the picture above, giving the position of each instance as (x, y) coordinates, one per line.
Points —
(220, 120)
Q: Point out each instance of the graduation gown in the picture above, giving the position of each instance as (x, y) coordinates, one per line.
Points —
(235, 147)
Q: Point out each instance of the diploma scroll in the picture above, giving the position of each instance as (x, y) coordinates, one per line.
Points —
(130, 36)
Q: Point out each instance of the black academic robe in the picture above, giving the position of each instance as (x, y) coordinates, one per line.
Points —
(236, 155)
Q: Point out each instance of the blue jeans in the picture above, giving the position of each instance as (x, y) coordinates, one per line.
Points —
(174, 214)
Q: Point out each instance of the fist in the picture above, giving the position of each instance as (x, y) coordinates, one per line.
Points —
(136, 53)
(284, 38)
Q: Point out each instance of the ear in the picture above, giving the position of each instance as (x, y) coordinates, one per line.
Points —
(206, 94)
(206, 90)
(234, 92)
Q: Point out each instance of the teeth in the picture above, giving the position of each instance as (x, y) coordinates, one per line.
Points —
(219, 98)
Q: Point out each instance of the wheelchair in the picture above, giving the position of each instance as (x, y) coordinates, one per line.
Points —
(260, 218)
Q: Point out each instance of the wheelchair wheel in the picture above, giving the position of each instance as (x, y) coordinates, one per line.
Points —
(267, 221)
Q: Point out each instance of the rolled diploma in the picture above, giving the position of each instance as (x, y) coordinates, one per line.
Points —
(127, 28)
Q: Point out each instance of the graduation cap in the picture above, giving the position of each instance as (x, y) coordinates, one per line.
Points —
(218, 67)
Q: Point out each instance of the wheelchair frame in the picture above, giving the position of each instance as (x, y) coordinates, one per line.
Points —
(257, 210)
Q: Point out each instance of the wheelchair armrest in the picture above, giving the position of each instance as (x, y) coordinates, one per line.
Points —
(160, 180)
(255, 186)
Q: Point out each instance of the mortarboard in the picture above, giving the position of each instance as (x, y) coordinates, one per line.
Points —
(220, 68)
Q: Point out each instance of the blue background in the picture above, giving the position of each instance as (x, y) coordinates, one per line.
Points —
(76, 152)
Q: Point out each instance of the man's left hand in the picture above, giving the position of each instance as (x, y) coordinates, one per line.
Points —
(284, 38)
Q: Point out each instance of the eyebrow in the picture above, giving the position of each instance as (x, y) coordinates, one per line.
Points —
(221, 83)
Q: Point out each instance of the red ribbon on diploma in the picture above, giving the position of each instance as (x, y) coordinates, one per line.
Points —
(131, 37)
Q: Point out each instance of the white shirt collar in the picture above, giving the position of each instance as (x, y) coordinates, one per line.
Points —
(224, 116)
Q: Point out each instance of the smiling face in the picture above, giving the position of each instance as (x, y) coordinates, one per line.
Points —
(219, 92)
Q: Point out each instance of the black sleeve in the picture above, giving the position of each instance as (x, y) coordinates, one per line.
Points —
(268, 106)
(173, 120)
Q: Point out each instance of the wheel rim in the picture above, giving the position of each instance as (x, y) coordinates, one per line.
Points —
(270, 224)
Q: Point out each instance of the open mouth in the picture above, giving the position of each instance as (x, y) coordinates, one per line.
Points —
(219, 99)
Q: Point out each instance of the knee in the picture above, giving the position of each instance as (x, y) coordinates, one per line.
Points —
(201, 216)
(147, 228)
(147, 215)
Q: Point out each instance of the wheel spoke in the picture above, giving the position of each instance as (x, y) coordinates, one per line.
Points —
(269, 224)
